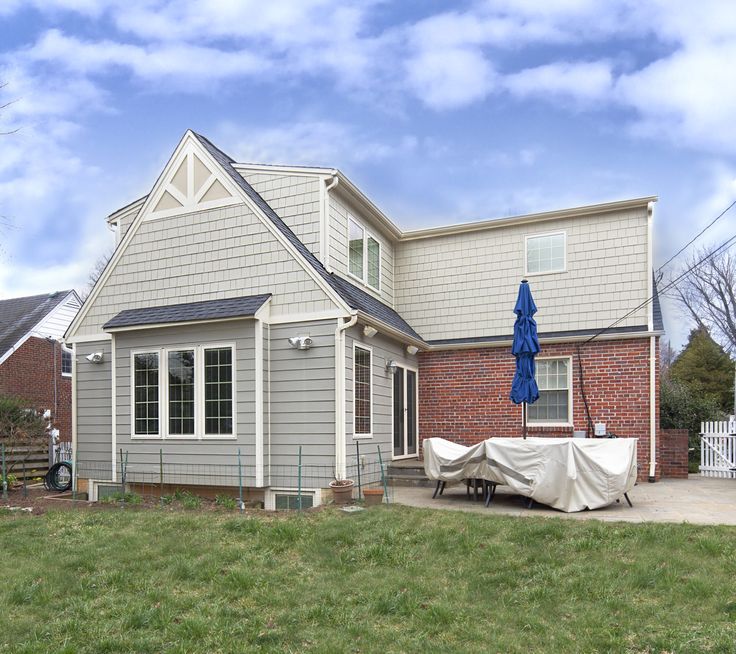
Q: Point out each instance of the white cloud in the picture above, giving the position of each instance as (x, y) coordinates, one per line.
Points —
(584, 82)
(450, 78)
(311, 143)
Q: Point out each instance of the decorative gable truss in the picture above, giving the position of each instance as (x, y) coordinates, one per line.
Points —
(193, 186)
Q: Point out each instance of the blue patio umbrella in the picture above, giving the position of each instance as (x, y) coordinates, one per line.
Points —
(525, 347)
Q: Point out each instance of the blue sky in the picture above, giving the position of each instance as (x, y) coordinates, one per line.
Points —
(440, 112)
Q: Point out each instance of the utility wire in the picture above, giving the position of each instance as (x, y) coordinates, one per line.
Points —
(673, 283)
(698, 235)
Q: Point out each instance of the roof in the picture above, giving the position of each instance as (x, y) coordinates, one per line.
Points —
(20, 315)
(658, 322)
(237, 307)
(354, 297)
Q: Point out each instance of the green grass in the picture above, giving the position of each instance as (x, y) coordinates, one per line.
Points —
(390, 579)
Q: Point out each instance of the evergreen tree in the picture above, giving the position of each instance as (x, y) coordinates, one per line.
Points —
(705, 368)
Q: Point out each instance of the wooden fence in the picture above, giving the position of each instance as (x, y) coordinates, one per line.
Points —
(36, 458)
(718, 449)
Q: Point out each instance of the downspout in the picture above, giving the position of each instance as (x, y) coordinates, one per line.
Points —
(325, 244)
(652, 409)
(340, 437)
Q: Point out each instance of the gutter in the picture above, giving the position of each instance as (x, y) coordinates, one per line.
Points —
(652, 410)
(340, 436)
(391, 331)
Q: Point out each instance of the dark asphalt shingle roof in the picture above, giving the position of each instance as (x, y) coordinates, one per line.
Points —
(356, 298)
(236, 307)
(657, 309)
(20, 315)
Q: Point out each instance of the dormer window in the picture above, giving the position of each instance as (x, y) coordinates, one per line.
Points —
(364, 255)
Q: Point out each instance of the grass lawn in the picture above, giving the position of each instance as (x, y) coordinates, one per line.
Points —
(391, 579)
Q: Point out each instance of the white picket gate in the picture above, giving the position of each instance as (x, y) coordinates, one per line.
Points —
(718, 448)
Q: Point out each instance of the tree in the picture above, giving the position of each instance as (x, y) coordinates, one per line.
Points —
(705, 368)
(96, 273)
(20, 427)
(708, 296)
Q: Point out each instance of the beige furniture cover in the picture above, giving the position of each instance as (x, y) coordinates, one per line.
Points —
(569, 474)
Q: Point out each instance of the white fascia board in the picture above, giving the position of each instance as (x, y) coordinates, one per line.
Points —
(14, 348)
(128, 209)
(574, 212)
(88, 338)
(305, 171)
(185, 323)
(354, 194)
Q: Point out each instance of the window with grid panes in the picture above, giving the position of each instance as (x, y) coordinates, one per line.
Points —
(181, 392)
(553, 405)
(362, 391)
(545, 253)
(145, 382)
(218, 391)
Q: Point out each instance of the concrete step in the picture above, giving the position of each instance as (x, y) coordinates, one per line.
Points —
(407, 473)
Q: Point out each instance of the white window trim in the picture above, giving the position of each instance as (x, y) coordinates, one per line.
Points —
(199, 402)
(269, 503)
(64, 348)
(366, 235)
(356, 435)
(563, 233)
(569, 423)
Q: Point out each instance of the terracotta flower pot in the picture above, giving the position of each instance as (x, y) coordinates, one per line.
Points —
(342, 491)
(373, 496)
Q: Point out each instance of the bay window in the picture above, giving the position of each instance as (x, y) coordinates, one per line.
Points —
(184, 393)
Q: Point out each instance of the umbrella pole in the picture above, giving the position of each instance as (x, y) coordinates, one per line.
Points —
(523, 418)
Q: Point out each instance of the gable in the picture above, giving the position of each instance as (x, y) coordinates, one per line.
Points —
(204, 255)
(188, 184)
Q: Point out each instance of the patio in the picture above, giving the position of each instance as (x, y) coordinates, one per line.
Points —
(697, 500)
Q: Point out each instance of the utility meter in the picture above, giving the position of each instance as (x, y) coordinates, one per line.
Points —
(600, 428)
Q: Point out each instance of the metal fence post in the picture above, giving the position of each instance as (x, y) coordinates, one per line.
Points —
(299, 482)
(5, 476)
(161, 476)
(240, 484)
(357, 465)
(383, 476)
(123, 472)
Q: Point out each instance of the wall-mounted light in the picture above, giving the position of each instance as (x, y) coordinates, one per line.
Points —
(412, 349)
(369, 331)
(301, 342)
(391, 367)
(95, 357)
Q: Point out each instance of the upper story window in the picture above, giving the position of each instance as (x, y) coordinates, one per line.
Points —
(66, 361)
(545, 253)
(364, 255)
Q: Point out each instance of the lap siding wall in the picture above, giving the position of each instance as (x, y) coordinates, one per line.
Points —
(464, 394)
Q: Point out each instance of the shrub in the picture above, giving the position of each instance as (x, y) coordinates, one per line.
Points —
(226, 502)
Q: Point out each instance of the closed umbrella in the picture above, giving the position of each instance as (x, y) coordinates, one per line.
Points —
(525, 347)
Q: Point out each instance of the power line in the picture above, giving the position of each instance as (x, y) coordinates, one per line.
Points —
(721, 248)
(698, 235)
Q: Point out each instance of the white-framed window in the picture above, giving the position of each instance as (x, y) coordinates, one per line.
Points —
(364, 255)
(554, 406)
(362, 391)
(66, 361)
(183, 392)
(545, 253)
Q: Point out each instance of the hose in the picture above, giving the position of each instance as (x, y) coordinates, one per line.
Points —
(59, 477)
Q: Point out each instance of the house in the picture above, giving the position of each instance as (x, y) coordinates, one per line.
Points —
(256, 309)
(34, 364)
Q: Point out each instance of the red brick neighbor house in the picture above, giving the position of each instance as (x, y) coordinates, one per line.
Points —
(34, 364)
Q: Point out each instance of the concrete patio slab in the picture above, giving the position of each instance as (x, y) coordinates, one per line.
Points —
(697, 500)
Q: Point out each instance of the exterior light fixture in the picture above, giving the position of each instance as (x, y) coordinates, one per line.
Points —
(391, 367)
(369, 331)
(300, 342)
(95, 357)
(412, 349)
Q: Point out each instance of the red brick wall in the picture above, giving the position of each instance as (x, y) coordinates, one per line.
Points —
(29, 373)
(464, 394)
(673, 452)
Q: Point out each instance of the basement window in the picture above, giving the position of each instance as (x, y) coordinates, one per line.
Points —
(290, 501)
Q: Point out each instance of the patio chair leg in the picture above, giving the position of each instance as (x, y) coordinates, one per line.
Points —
(490, 491)
(530, 503)
(442, 488)
(626, 495)
(478, 485)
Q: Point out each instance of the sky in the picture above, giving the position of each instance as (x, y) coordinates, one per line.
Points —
(441, 112)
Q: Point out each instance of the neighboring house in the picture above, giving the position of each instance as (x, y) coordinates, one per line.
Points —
(221, 264)
(34, 364)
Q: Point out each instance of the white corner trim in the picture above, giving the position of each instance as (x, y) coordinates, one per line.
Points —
(650, 265)
(114, 405)
(258, 401)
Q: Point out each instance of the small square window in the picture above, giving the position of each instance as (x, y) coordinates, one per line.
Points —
(545, 253)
